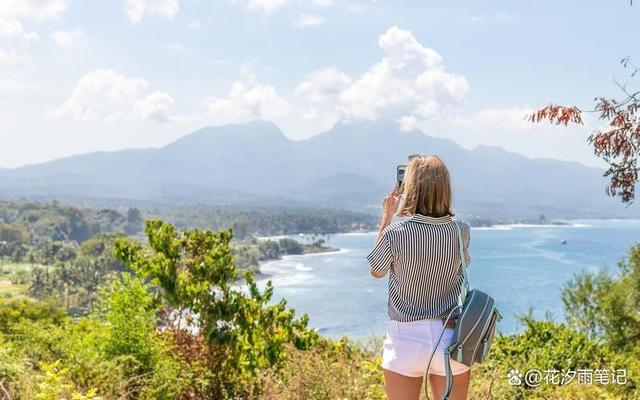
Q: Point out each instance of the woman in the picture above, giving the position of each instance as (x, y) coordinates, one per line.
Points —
(422, 256)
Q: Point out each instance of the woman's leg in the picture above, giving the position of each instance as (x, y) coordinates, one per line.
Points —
(400, 387)
(458, 391)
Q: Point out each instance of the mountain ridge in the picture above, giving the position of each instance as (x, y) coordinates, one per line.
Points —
(351, 165)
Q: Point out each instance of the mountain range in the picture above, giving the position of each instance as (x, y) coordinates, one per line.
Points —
(350, 166)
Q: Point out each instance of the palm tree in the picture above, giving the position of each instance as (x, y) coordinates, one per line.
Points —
(65, 278)
(40, 286)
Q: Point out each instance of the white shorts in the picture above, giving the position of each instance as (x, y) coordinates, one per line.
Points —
(408, 346)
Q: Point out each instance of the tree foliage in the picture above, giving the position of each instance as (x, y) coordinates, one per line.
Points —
(197, 277)
(617, 143)
(606, 307)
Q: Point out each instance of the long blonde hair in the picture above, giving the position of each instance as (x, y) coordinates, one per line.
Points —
(427, 188)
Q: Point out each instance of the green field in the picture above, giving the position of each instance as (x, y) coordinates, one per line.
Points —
(14, 278)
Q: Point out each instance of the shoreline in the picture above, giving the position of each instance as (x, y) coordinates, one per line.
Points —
(559, 223)
(260, 275)
(578, 223)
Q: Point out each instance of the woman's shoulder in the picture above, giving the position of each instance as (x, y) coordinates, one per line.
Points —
(465, 229)
(464, 226)
(397, 224)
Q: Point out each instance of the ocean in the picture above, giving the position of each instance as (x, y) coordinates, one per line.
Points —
(523, 266)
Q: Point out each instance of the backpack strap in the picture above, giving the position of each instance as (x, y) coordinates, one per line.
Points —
(449, 374)
(463, 266)
(447, 360)
(461, 298)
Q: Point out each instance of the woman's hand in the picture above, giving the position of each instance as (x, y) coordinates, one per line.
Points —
(389, 208)
(390, 205)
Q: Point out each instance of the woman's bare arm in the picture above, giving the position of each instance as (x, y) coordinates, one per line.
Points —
(389, 208)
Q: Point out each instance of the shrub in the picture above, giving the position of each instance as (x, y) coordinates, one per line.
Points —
(116, 353)
(197, 277)
(546, 345)
(330, 370)
(14, 310)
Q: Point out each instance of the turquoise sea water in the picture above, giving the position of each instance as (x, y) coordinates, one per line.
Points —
(523, 267)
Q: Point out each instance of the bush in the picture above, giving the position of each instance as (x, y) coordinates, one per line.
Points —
(546, 345)
(196, 275)
(329, 370)
(117, 353)
(15, 310)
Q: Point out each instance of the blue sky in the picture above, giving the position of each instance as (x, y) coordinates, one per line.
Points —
(79, 76)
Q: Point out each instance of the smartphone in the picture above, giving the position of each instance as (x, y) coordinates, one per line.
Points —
(400, 170)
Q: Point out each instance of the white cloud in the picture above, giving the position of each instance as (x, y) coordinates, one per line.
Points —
(105, 95)
(508, 119)
(36, 10)
(67, 39)
(308, 20)
(324, 85)
(12, 29)
(135, 9)
(247, 100)
(510, 129)
(15, 13)
(403, 50)
(407, 123)
(12, 57)
(155, 106)
(507, 124)
(408, 84)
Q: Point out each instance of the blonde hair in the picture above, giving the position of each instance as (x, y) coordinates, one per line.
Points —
(427, 188)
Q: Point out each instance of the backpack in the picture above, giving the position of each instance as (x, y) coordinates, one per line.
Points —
(474, 329)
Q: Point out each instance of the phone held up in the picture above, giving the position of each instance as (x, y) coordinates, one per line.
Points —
(400, 171)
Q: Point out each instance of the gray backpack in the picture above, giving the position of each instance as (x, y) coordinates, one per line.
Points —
(475, 326)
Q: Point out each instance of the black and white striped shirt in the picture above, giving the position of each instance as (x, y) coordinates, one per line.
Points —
(422, 256)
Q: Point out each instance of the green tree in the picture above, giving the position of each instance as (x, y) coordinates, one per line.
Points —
(65, 279)
(13, 311)
(57, 251)
(130, 312)
(269, 249)
(13, 233)
(290, 246)
(134, 221)
(241, 229)
(197, 277)
(40, 287)
(606, 307)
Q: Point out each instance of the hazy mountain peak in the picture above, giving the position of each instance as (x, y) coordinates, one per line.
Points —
(351, 165)
(377, 128)
(258, 130)
(364, 133)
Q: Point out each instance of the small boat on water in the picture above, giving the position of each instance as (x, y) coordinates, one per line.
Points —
(563, 241)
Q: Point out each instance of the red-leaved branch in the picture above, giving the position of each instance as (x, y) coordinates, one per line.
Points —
(617, 143)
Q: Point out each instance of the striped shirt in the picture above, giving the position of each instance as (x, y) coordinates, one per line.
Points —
(422, 256)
